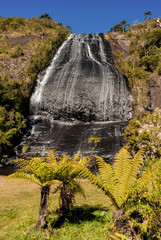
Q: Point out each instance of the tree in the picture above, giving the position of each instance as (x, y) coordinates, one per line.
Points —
(42, 171)
(116, 180)
(120, 27)
(49, 170)
(69, 28)
(147, 15)
(124, 25)
(69, 184)
(45, 16)
(116, 28)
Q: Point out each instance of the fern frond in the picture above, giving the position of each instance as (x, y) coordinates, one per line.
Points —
(136, 162)
(122, 160)
(97, 181)
(86, 161)
(151, 176)
(24, 176)
(51, 157)
(76, 157)
(133, 171)
(106, 171)
(130, 169)
(76, 187)
(49, 183)
(121, 236)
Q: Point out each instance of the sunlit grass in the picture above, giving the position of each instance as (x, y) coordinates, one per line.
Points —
(19, 210)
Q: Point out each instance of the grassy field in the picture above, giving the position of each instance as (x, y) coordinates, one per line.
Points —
(19, 210)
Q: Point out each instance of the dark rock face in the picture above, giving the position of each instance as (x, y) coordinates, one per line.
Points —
(155, 89)
(72, 137)
(83, 84)
(80, 94)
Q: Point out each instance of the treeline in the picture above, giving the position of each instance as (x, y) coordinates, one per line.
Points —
(27, 47)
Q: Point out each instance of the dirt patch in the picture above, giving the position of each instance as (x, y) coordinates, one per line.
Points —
(23, 40)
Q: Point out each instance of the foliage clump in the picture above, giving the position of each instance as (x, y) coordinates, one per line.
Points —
(120, 27)
(116, 180)
(141, 214)
(145, 133)
(16, 52)
(138, 82)
(142, 211)
(12, 120)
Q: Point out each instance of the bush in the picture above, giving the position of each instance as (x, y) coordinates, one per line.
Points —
(144, 204)
(145, 133)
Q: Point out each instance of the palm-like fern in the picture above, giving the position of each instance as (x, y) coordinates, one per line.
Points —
(46, 171)
(69, 184)
(126, 169)
(116, 180)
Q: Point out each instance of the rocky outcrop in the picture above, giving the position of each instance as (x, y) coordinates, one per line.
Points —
(83, 84)
(155, 89)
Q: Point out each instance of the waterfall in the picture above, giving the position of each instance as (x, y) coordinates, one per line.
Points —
(80, 94)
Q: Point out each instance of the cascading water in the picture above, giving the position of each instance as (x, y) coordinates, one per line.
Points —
(80, 94)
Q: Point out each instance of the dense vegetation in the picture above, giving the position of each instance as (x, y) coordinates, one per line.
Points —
(26, 48)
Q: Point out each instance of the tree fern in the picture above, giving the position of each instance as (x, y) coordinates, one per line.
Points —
(85, 172)
(107, 173)
(122, 159)
(115, 180)
(126, 170)
(46, 171)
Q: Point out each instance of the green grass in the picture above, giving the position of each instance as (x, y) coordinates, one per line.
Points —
(19, 210)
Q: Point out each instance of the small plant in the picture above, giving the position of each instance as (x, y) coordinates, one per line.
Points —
(24, 148)
(93, 141)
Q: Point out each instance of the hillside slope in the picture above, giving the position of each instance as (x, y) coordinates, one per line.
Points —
(138, 56)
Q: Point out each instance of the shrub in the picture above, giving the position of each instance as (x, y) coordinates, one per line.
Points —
(144, 204)
(145, 133)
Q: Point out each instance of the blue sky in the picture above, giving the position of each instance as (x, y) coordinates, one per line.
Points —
(84, 16)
